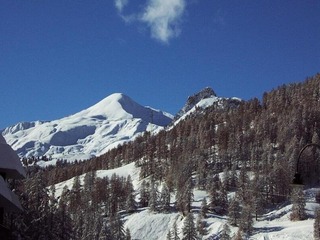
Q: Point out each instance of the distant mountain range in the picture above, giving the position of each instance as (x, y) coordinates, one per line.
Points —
(114, 120)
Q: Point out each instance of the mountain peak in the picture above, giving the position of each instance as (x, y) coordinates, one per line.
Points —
(203, 94)
(112, 121)
(196, 98)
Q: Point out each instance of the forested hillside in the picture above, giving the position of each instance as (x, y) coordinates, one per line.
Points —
(249, 148)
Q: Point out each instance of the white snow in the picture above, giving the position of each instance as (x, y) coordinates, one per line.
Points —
(91, 132)
(151, 226)
(202, 104)
(146, 225)
(123, 171)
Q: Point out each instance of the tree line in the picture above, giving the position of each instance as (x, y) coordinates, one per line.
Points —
(250, 149)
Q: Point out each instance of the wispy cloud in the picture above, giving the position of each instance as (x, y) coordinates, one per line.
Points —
(120, 4)
(163, 17)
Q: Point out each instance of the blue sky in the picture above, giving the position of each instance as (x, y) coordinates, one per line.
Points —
(59, 57)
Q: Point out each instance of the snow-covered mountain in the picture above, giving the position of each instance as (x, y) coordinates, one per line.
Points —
(203, 99)
(91, 132)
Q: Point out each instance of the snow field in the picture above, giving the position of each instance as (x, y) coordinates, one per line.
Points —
(146, 225)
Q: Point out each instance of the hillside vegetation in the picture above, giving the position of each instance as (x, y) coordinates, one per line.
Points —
(241, 156)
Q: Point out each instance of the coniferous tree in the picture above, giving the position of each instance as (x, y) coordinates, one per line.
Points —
(153, 201)
(204, 208)
(175, 233)
(223, 198)
(115, 195)
(214, 200)
(64, 230)
(189, 230)
(75, 196)
(91, 223)
(128, 234)
(246, 222)
(225, 234)
(144, 194)
(165, 198)
(117, 228)
(37, 208)
(234, 211)
(242, 185)
(131, 203)
(201, 225)
(185, 196)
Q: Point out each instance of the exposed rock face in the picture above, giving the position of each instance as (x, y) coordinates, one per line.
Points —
(194, 99)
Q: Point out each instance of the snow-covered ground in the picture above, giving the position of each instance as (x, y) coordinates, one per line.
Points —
(145, 225)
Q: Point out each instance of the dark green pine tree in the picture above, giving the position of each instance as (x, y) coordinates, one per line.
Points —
(131, 203)
(153, 201)
(189, 229)
(65, 228)
(128, 234)
(117, 228)
(144, 194)
(234, 212)
(225, 233)
(204, 208)
(184, 197)
(246, 221)
(165, 198)
(36, 204)
(201, 226)
(175, 233)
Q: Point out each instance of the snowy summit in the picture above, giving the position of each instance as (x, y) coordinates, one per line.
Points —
(91, 132)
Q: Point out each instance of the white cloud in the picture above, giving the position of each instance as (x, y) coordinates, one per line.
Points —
(120, 4)
(163, 17)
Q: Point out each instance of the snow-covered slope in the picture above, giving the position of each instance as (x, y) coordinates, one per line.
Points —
(203, 99)
(146, 225)
(91, 132)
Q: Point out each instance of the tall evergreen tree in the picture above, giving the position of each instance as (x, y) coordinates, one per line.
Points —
(131, 203)
(65, 229)
(201, 226)
(128, 234)
(225, 233)
(204, 208)
(165, 198)
(117, 228)
(184, 196)
(144, 194)
(189, 229)
(246, 221)
(153, 201)
(175, 233)
(234, 212)
(37, 210)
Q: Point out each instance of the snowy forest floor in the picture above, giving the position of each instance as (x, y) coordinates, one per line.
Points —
(146, 225)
